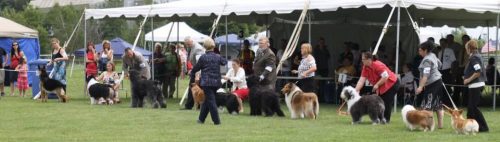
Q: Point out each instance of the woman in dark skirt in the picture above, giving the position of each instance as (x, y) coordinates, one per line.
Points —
(430, 87)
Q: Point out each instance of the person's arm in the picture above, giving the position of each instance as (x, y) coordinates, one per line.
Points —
(426, 72)
(196, 68)
(110, 54)
(270, 62)
(101, 77)
(360, 84)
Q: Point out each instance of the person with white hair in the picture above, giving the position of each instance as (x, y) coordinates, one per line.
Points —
(265, 64)
(195, 52)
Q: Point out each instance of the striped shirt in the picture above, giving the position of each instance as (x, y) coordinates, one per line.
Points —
(305, 64)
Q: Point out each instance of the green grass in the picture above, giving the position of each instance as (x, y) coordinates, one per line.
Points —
(23, 119)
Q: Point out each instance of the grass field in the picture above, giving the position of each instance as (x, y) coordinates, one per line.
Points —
(23, 119)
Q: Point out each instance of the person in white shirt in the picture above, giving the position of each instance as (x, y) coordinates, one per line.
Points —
(236, 75)
(447, 56)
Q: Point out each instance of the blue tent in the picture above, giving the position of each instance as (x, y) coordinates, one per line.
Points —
(118, 45)
(232, 40)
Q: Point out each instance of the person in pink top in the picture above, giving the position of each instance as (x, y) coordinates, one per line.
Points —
(22, 79)
(384, 81)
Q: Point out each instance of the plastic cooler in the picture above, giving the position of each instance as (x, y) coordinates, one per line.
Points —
(35, 81)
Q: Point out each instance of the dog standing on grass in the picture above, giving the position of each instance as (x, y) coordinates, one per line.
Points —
(358, 106)
(299, 103)
(414, 118)
(460, 124)
(48, 85)
(145, 88)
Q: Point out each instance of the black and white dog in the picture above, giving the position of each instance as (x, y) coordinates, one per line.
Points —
(358, 106)
(99, 93)
(262, 99)
(227, 100)
(142, 88)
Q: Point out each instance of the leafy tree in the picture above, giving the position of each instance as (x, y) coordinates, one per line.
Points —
(17, 5)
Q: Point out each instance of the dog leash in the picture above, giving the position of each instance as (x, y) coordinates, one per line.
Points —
(447, 93)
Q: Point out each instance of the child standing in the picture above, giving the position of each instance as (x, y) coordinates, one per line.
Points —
(22, 79)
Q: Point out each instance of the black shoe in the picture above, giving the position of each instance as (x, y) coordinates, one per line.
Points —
(199, 122)
(483, 130)
(218, 123)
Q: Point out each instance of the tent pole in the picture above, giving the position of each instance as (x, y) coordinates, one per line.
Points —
(84, 53)
(488, 37)
(152, 48)
(227, 38)
(397, 51)
(309, 24)
(177, 78)
(496, 59)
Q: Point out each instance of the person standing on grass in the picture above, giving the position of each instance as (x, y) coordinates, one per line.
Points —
(474, 78)
(430, 85)
(194, 54)
(265, 64)
(58, 60)
(306, 70)
(210, 80)
(106, 55)
(22, 79)
(15, 55)
(91, 61)
(3, 61)
(385, 83)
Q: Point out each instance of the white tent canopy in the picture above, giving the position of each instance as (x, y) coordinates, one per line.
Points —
(440, 12)
(10, 28)
(184, 30)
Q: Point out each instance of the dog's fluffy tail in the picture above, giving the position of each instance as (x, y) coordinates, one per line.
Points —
(315, 107)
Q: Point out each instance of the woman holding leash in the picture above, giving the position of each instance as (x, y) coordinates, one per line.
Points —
(306, 69)
(474, 78)
(59, 58)
(430, 86)
(384, 81)
(210, 80)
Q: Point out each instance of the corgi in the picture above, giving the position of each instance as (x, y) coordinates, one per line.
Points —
(460, 124)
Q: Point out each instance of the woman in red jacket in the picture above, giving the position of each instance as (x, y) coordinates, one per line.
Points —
(384, 81)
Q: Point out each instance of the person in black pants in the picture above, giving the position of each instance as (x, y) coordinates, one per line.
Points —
(210, 80)
(474, 78)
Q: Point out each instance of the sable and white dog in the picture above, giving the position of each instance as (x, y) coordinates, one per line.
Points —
(460, 124)
(358, 106)
(417, 118)
(299, 103)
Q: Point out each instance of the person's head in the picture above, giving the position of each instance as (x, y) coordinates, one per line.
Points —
(158, 47)
(450, 38)
(110, 66)
(442, 43)
(129, 52)
(235, 63)
(246, 44)
(491, 61)
(180, 46)
(106, 45)
(209, 44)
(367, 58)
(22, 60)
(425, 48)
(321, 41)
(189, 42)
(471, 47)
(171, 48)
(431, 39)
(406, 67)
(264, 42)
(465, 39)
(347, 62)
(54, 42)
(305, 49)
(90, 46)
(15, 48)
